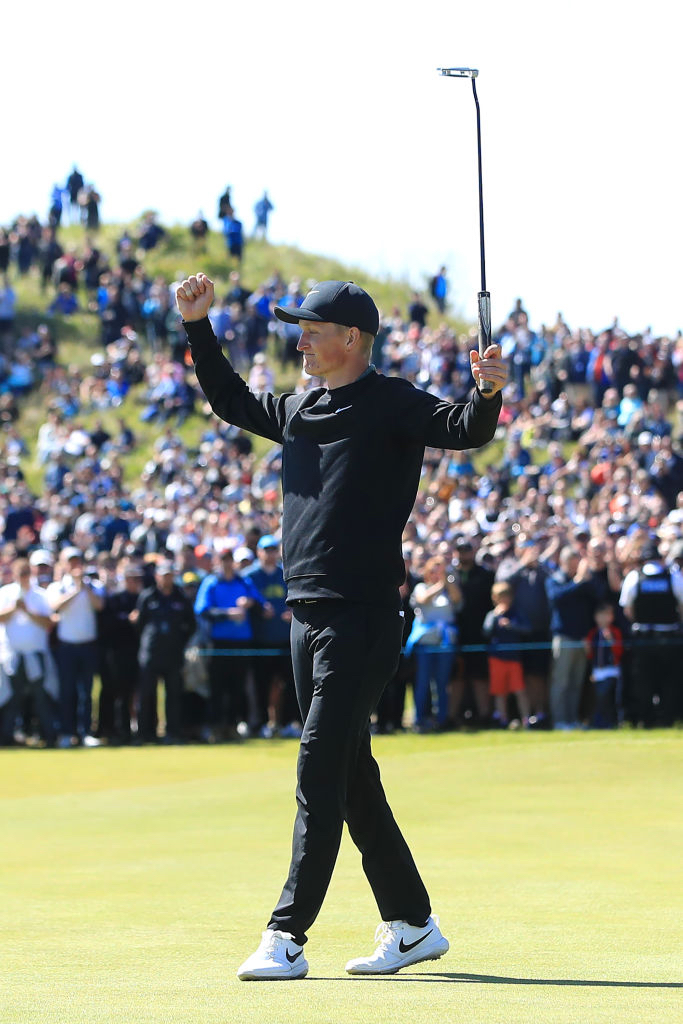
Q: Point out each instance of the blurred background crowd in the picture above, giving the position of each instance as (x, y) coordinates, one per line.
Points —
(543, 587)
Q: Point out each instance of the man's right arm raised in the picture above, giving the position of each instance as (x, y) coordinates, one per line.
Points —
(226, 392)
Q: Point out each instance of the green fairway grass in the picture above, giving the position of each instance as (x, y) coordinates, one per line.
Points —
(135, 881)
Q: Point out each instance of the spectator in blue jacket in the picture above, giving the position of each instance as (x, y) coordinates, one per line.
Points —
(438, 287)
(65, 302)
(572, 600)
(234, 236)
(262, 209)
(56, 206)
(223, 603)
(275, 698)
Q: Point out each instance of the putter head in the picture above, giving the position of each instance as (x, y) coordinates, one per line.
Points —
(458, 72)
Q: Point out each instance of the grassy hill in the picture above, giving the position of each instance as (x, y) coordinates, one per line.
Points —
(176, 256)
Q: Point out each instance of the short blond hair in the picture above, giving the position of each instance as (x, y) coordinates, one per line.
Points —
(367, 341)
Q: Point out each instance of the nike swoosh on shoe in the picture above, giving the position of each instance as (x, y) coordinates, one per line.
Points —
(406, 947)
(295, 957)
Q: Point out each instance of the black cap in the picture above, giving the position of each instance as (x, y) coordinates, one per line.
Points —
(650, 552)
(335, 302)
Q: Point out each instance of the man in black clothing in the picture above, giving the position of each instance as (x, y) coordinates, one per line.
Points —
(119, 642)
(652, 598)
(475, 582)
(74, 184)
(417, 311)
(626, 361)
(352, 455)
(166, 621)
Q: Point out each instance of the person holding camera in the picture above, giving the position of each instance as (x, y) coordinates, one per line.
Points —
(76, 598)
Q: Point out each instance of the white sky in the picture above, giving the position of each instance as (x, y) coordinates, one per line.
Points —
(366, 152)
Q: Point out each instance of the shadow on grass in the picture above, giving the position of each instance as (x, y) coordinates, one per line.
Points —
(495, 979)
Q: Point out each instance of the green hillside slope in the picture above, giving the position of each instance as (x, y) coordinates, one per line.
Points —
(78, 334)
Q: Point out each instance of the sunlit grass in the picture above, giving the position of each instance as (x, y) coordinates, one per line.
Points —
(135, 881)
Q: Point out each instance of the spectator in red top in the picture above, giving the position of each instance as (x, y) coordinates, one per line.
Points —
(605, 647)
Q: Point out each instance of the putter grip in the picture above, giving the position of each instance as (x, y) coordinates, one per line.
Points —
(484, 302)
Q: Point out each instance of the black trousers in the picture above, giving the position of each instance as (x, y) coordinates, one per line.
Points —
(227, 681)
(119, 677)
(656, 671)
(267, 671)
(343, 655)
(25, 689)
(172, 676)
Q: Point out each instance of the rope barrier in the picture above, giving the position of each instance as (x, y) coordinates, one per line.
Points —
(641, 640)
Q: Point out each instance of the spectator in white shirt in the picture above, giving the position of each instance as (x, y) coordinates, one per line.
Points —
(76, 599)
(26, 673)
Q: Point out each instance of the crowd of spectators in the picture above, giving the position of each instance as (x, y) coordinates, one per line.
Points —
(525, 577)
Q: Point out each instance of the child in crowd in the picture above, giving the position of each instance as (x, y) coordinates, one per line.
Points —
(505, 630)
(604, 647)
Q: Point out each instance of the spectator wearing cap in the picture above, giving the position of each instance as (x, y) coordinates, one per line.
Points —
(223, 603)
(572, 599)
(275, 697)
(26, 672)
(119, 643)
(243, 558)
(76, 599)
(165, 620)
(42, 565)
(472, 683)
(652, 598)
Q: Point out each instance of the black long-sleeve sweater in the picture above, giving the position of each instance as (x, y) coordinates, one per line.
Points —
(351, 464)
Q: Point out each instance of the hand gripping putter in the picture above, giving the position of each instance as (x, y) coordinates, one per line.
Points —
(483, 297)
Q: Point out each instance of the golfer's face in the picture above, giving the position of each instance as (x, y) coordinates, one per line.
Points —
(323, 346)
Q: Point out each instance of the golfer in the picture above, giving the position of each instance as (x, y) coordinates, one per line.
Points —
(351, 461)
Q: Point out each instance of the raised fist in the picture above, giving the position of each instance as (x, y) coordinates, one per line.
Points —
(194, 297)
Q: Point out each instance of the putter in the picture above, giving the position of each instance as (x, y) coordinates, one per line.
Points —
(483, 297)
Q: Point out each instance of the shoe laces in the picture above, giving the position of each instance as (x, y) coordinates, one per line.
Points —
(385, 935)
(271, 939)
(387, 932)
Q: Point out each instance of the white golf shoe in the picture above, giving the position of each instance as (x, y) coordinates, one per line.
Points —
(400, 944)
(278, 958)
